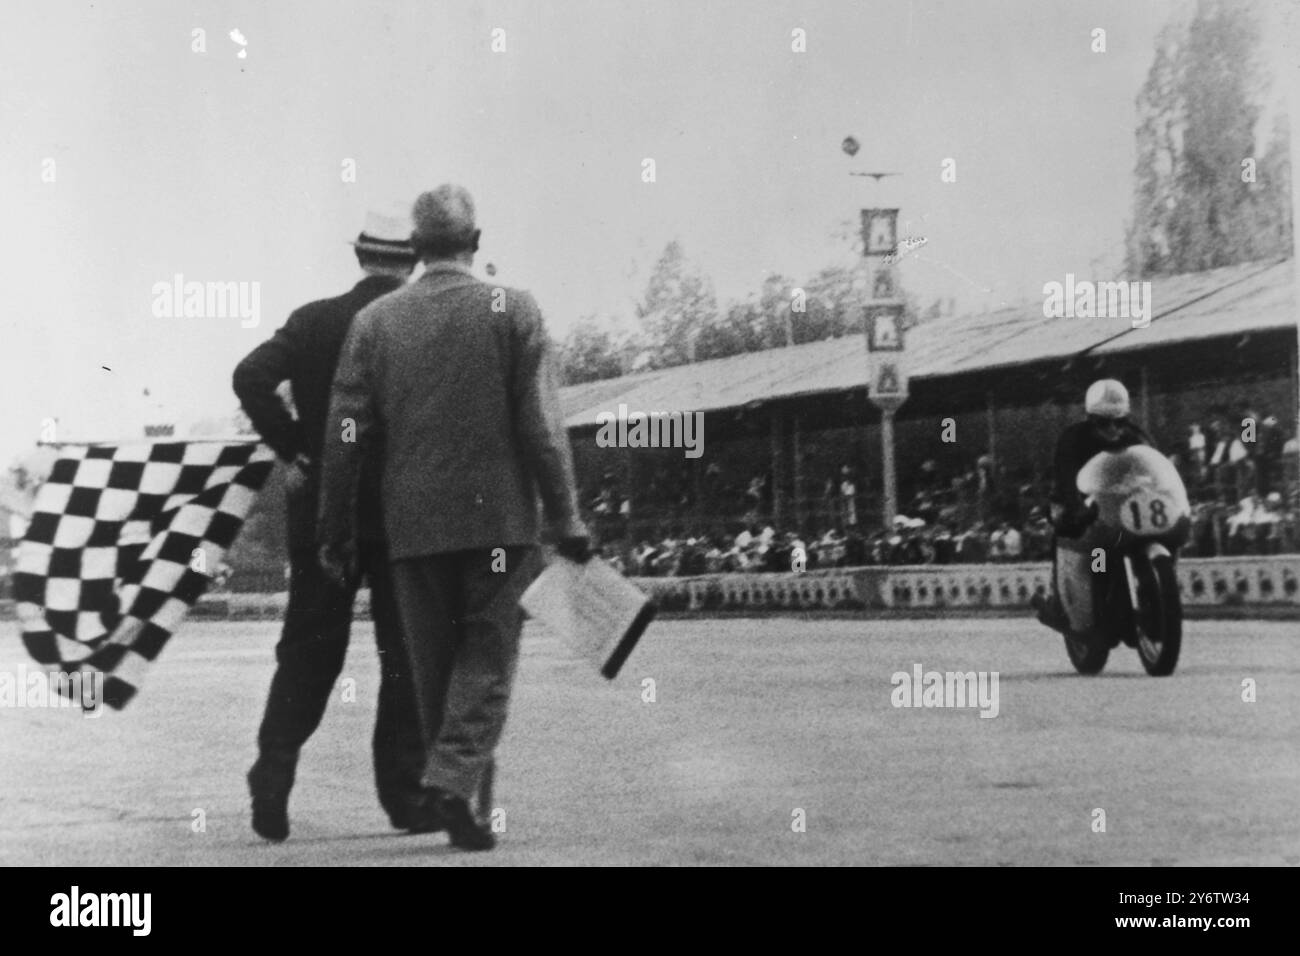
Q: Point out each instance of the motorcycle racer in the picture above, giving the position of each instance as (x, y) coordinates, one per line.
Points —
(1107, 427)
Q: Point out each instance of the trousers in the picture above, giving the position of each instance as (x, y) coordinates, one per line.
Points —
(309, 659)
(462, 622)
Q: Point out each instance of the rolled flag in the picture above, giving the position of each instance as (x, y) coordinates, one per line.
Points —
(121, 542)
(592, 608)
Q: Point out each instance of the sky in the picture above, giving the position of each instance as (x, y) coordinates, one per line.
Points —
(221, 168)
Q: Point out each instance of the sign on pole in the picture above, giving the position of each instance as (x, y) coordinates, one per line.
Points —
(879, 232)
(884, 327)
(883, 315)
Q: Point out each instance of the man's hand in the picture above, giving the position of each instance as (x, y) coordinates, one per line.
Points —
(575, 548)
(339, 562)
(571, 539)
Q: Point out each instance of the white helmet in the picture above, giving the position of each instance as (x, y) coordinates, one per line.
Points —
(1106, 398)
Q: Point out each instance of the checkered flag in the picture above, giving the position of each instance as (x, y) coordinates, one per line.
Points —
(107, 569)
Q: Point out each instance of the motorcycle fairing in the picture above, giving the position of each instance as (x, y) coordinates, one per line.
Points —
(1137, 489)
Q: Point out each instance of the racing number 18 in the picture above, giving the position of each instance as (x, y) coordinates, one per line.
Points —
(1159, 518)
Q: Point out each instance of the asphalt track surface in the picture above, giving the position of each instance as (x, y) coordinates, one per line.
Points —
(752, 721)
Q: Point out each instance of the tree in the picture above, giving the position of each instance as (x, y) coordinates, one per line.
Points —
(590, 353)
(763, 321)
(833, 307)
(1197, 113)
(737, 330)
(777, 320)
(681, 321)
(1276, 229)
(678, 306)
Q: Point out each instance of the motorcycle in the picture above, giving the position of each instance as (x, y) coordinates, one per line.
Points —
(1117, 580)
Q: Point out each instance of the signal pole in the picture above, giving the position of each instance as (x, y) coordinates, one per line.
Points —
(883, 325)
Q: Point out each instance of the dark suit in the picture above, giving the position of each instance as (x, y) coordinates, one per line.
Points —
(456, 373)
(313, 643)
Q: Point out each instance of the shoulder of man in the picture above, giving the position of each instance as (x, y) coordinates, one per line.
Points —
(342, 306)
(396, 300)
(518, 300)
(321, 307)
(518, 304)
(302, 316)
(296, 332)
(519, 309)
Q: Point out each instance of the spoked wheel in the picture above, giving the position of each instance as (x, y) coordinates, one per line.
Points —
(1086, 658)
(1159, 616)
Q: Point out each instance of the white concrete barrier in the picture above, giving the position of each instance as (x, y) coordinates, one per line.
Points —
(1251, 580)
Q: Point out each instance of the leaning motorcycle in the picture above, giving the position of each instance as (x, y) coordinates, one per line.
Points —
(1117, 579)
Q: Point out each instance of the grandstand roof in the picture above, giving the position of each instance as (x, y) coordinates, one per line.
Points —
(1233, 300)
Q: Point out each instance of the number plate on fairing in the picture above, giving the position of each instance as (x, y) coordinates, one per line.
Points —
(1148, 512)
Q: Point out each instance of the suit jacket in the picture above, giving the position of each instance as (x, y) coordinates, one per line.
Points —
(457, 374)
(305, 352)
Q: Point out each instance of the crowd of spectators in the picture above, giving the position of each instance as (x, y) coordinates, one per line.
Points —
(1251, 527)
(757, 548)
(1231, 458)
(1241, 481)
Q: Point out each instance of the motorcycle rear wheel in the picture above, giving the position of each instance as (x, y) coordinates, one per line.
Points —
(1159, 616)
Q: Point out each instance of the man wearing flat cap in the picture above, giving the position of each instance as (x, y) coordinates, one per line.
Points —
(456, 374)
(310, 654)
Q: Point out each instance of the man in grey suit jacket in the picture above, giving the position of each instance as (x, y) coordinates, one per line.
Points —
(457, 377)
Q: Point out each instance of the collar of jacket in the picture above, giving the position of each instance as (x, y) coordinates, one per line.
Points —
(378, 282)
(444, 268)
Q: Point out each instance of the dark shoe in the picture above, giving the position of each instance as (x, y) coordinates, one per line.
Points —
(422, 816)
(269, 783)
(271, 816)
(466, 833)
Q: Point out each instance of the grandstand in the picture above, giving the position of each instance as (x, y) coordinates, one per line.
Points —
(1219, 343)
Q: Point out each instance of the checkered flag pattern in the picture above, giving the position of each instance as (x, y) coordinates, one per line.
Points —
(121, 543)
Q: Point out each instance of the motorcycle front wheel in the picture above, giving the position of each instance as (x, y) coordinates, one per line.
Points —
(1086, 658)
(1159, 616)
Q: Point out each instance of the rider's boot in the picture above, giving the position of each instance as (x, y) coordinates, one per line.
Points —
(1051, 612)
